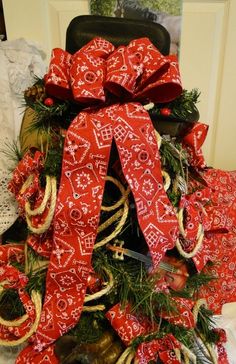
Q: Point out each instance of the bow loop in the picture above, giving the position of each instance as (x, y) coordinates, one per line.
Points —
(123, 70)
(166, 85)
(88, 71)
(154, 63)
(98, 48)
(57, 80)
(160, 81)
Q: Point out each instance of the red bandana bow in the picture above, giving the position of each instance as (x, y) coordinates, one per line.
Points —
(140, 70)
(137, 71)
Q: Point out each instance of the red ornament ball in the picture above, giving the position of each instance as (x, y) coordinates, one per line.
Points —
(165, 111)
(49, 101)
(94, 283)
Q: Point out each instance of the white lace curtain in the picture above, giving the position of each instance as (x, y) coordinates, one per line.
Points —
(20, 62)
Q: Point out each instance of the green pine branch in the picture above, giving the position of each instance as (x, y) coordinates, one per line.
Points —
(11, 151)
(182, 107)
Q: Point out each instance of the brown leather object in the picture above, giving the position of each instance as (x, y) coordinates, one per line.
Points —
(29, 138)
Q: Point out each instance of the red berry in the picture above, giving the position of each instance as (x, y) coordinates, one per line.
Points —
(165, 111)
(48, 101)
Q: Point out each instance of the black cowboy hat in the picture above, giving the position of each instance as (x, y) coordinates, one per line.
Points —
(120, 31)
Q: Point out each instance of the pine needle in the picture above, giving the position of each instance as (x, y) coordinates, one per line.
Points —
(11, 150)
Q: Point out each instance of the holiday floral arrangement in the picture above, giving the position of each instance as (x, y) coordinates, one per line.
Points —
(123, 235)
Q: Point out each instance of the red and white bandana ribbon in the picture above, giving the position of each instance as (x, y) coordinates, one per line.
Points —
(159, 348)
(129, 326)
(193, 142)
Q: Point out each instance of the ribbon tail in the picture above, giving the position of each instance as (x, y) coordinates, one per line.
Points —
(138, 151)
(85, 160)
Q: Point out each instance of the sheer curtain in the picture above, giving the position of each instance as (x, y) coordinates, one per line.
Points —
(20, 62)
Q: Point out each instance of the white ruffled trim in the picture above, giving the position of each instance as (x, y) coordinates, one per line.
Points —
(8, 204)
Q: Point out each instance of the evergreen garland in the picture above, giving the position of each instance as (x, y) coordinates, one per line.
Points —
(174, 161)
(205, 326)
(194, 283)
(132, 285)
(183, 107)
(45, 118)
(10, 305)
(53, 161)
(12, 151)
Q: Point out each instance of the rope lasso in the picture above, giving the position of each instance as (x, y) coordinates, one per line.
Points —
(127, 354)
(41, 208)
(202, 302)
(123, 191)
(103, 291)
(199, 238)
(123, 200)
(36, 300)
(53, 195)
(167, 180)
(94, 308)
(14, 323)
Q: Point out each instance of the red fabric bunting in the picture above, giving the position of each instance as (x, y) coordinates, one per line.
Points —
(221, 246)
(32, 162)
(193, 141)
(196, 219)
(12, 278)
(46, 357)
(222, 355)
(12, 252)
(41, 243)
(161, 348)
(127, 325)
(25, 180)
(183, 315)
(219, 226)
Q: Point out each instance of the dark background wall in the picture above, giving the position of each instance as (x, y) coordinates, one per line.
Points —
(2, 23)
